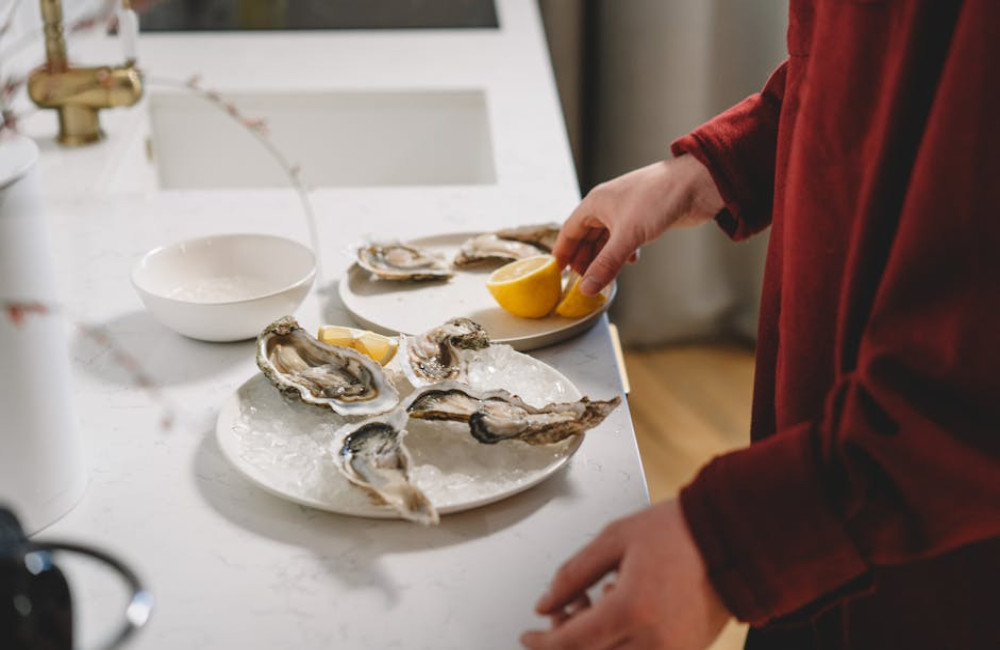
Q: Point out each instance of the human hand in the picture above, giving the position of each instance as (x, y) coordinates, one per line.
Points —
(619, 216)
(661, 597)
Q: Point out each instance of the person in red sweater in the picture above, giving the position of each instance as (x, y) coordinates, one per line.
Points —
(866, 512)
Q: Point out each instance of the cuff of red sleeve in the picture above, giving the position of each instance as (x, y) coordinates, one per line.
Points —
(739, 220)
(766, 530)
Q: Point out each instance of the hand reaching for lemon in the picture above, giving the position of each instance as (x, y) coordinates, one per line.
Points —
(533, 288)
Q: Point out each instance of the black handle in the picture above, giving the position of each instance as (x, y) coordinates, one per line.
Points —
(30, 564)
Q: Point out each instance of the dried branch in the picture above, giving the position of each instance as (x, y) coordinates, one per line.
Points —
(257, 127)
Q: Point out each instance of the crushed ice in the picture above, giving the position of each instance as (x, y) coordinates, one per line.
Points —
(288, 443)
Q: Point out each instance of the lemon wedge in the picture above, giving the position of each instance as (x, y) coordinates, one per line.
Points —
(576, 305)
(529, 288)
(378, 347)
(337, 335)
(375, 346)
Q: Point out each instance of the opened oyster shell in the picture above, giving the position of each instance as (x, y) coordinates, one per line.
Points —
(489, 247)
(508, 244)
(498, 415)
(543, 236)
(395, 261)
(372, 456)
(301, 366)
(436, 355)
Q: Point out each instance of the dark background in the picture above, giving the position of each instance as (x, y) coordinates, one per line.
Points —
(223, 15)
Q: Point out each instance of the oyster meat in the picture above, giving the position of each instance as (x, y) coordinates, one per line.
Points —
(498, 415)
(372, 456)
(489, 247)
(436, 355)
(543, 236)
(301, 366)
(394, 261)
(509, 244)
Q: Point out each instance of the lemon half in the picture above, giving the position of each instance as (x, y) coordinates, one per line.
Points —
(576, 305)
(375, 346)
(529, 288)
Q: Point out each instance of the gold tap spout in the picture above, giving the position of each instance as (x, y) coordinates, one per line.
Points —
(78, 93)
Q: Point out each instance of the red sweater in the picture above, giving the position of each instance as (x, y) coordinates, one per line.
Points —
(866, 514)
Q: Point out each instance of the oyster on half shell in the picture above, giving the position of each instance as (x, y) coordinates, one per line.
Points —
(394, 261)
(543, 235)
(301, 366)
(436, 355)
(489, 247)
(372, 456)
(498, 415)
(508, 244)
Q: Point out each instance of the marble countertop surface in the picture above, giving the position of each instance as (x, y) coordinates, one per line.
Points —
(230, 565)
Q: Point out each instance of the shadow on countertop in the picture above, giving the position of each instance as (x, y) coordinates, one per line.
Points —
(135, 348)
(350, 547)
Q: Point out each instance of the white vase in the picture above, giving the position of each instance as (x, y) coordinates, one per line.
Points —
(42, 472)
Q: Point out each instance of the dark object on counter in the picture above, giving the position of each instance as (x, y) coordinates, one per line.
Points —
(36, 611)
(227, 15)
(35, 608)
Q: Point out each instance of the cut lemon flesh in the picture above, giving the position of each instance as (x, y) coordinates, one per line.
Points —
(378, 347)
(375, 346)
(576, 305)
(529, 288)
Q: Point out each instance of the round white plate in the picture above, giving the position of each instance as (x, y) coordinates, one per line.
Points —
(413, 307)
(284, 446)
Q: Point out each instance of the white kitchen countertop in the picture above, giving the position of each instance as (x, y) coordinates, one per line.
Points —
(230, 565)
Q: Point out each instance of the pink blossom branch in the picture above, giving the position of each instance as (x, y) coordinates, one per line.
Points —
(257, 127)
(100, 17)
(10, 86)
(8, 21)
(17, 312)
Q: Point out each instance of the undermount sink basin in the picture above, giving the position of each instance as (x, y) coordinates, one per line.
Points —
(337, 139)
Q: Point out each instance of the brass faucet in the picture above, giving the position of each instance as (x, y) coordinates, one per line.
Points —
(78, 93)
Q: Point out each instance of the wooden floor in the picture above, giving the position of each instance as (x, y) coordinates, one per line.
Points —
(689, 403)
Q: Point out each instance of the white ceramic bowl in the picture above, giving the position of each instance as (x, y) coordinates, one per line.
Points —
(224, 287)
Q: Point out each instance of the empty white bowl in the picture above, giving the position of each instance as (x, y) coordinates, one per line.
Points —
(224, 287)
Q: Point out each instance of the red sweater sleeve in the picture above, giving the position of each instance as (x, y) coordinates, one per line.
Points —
(739, 147)
(904, 463)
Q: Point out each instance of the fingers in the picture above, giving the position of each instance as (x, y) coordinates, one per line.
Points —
(598, 627)
(581, 571)
(575, 231)
(571, 610)
(606, 265)
(588, 249)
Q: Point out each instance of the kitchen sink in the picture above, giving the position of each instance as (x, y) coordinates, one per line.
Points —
(335, 138)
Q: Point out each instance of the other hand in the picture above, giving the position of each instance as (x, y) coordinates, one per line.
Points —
(661, 597)
(619, 216)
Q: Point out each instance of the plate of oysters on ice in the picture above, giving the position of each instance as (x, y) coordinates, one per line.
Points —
(395, 287)
(452, 421)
